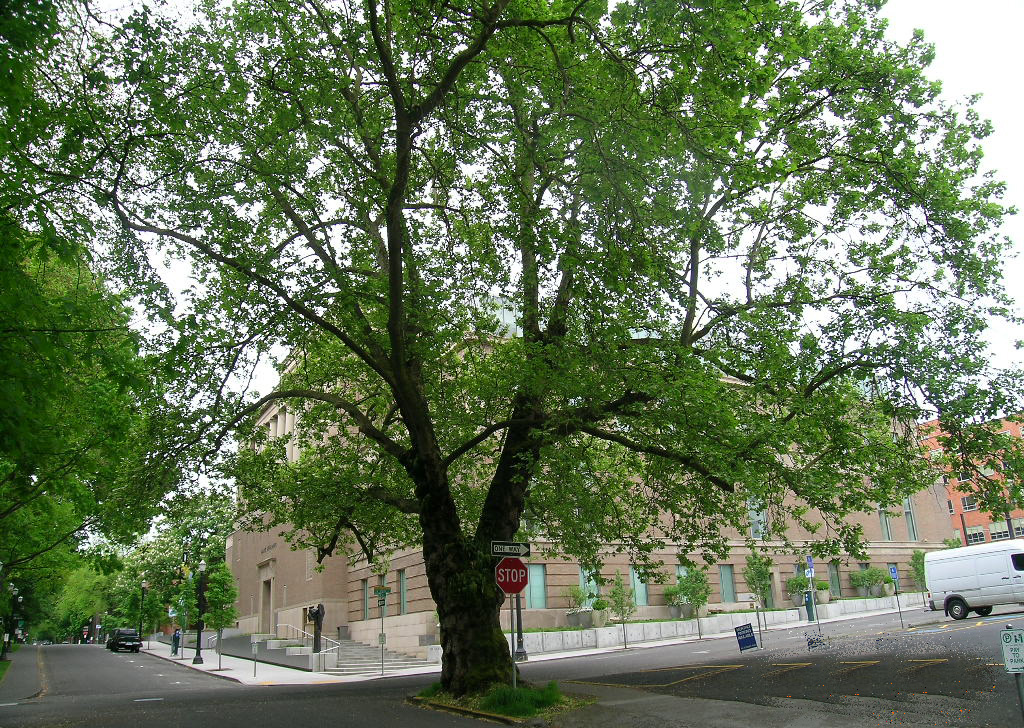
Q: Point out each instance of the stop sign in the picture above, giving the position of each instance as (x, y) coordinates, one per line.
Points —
(511, 575)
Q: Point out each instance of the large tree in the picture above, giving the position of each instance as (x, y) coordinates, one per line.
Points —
(630, 275)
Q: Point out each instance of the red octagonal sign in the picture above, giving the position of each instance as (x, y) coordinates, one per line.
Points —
(511, 575)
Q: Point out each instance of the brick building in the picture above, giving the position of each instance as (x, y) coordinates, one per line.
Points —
(276, 584)
(969, 524)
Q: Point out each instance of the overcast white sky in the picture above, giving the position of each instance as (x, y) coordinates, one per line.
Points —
(979, 49)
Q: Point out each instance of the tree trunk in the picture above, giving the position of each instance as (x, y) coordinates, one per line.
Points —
(474, 652)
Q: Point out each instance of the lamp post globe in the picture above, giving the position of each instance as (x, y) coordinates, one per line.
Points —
(201, 607)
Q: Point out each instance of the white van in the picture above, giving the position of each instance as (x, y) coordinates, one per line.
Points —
(975, 578)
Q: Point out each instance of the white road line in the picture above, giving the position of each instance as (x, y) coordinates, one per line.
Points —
(7, 705)
(145, 700)
(701, 652)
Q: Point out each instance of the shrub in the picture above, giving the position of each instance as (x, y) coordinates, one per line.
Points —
(917, 564)
(867, 578)
(600, 604)
(821, 585)
(430, 691)
(674, 595)
(576, 597)
(797, 584)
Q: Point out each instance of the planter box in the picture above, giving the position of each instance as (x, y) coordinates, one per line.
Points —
(298, 650)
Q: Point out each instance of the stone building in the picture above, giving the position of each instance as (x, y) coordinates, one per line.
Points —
(277, 584)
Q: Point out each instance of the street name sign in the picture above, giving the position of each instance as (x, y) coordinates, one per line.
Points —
(1012, 641)
(745, 637)
(511, 575)
(510, 548)
(381, 591)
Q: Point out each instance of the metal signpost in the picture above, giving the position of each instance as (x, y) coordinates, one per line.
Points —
(745, 637)
(382, 597)
(1012, 641)
(255, 650)
(895, 574)
(511, 576)
(809, 573)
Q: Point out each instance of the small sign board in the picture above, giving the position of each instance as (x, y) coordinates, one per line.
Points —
(745, 637)
(381, 591)
(510, 548)
(894, 573)
(1012, 641)
(382, 639)
(255, 647)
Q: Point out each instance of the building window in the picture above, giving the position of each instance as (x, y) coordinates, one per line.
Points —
(383, 609)
(883, 521)
(536, 590)
(681, 571)
(975, 534)
(403, 597)
(949, 505)
(1018, 527)
(963, 476)
(727, 579)
(757, 518)
(366, 598)
(833, 579)
(911, 521)
(968, 503)
(998, 530)
(639, 587)
(588, 583)
(864, 566)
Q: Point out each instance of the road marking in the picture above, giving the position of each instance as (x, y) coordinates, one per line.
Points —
(701, 652)
(712, 670)
(6, 705)
(145, 700)
(786, 667)
(856, 665)
(926, 663)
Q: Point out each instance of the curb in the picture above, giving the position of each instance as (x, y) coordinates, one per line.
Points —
(459, 710)
(194, 669)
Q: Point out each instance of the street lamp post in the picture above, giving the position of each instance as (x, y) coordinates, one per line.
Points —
(201, 605)
(142, 606)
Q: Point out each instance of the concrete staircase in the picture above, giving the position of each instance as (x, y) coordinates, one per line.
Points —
(356, 658)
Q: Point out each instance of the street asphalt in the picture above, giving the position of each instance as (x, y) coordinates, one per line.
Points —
(618, 705)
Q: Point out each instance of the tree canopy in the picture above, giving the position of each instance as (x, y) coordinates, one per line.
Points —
(537, 264)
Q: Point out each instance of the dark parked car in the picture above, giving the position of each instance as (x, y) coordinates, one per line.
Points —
(124, 639)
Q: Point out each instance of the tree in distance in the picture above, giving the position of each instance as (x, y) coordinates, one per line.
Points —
(544, 269)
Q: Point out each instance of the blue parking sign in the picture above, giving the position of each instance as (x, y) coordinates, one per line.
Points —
(745, 636)
(894, 573)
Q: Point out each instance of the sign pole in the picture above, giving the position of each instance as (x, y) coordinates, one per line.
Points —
(757, 612)
(512, 639)
(381, 603)
(895, 574)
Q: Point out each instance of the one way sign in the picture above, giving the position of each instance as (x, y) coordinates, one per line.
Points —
(510, 548)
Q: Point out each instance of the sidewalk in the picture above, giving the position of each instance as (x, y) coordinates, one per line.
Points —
(23, 679)
(241, 670)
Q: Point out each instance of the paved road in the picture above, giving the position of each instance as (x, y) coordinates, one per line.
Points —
(865, 672)
(88, 686)
(933, 672)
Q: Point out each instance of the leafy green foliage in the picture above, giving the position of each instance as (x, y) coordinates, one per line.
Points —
(758, 575)
(696, 589)
(620, 598)
(917, 566)
(612, 281)
(221, 594)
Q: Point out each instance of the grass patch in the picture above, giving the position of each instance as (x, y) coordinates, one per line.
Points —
(524, 701)
(3, 668)
(521, 702)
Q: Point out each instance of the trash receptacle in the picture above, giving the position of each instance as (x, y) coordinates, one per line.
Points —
(809, 603)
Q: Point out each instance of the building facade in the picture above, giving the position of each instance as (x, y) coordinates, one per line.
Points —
(969, 525)
(277, 585)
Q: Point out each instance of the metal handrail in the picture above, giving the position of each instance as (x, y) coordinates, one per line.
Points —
(294, 632)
